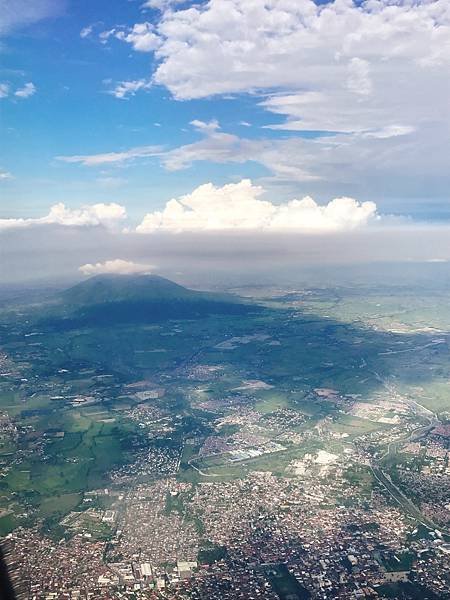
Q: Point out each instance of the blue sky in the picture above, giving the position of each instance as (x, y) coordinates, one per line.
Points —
(311, 116)
(72, 113)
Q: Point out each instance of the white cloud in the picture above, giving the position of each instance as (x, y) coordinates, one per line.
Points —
(29, 89)
(106, 215)
(238, 206)
(5, 175)
(347, 159)
(117, 266)
(206, 126)
(372, 76)
(299, 45)
(371, 72)
(130, 88)
(216, 146)
(290, 159)
(4, 90)
(141, 36)
(94, 160)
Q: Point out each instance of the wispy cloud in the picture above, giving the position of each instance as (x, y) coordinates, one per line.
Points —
(94, 160)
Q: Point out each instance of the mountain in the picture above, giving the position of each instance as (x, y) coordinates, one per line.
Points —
(106, 289)
(108, 299)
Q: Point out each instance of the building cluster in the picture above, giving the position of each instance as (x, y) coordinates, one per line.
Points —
(148, 531)
(427, 477)
(328, 548)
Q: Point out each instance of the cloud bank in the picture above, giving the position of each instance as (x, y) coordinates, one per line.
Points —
(232, 207)
(237, 206)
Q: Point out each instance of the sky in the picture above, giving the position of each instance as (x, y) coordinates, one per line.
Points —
(320, 130)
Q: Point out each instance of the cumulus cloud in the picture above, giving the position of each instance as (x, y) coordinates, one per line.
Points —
(93, 160)
(304, 45)
(29, 89)
(106, 215)
(117, 266)
(5, 175)
(238, 206)
(142, 36)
